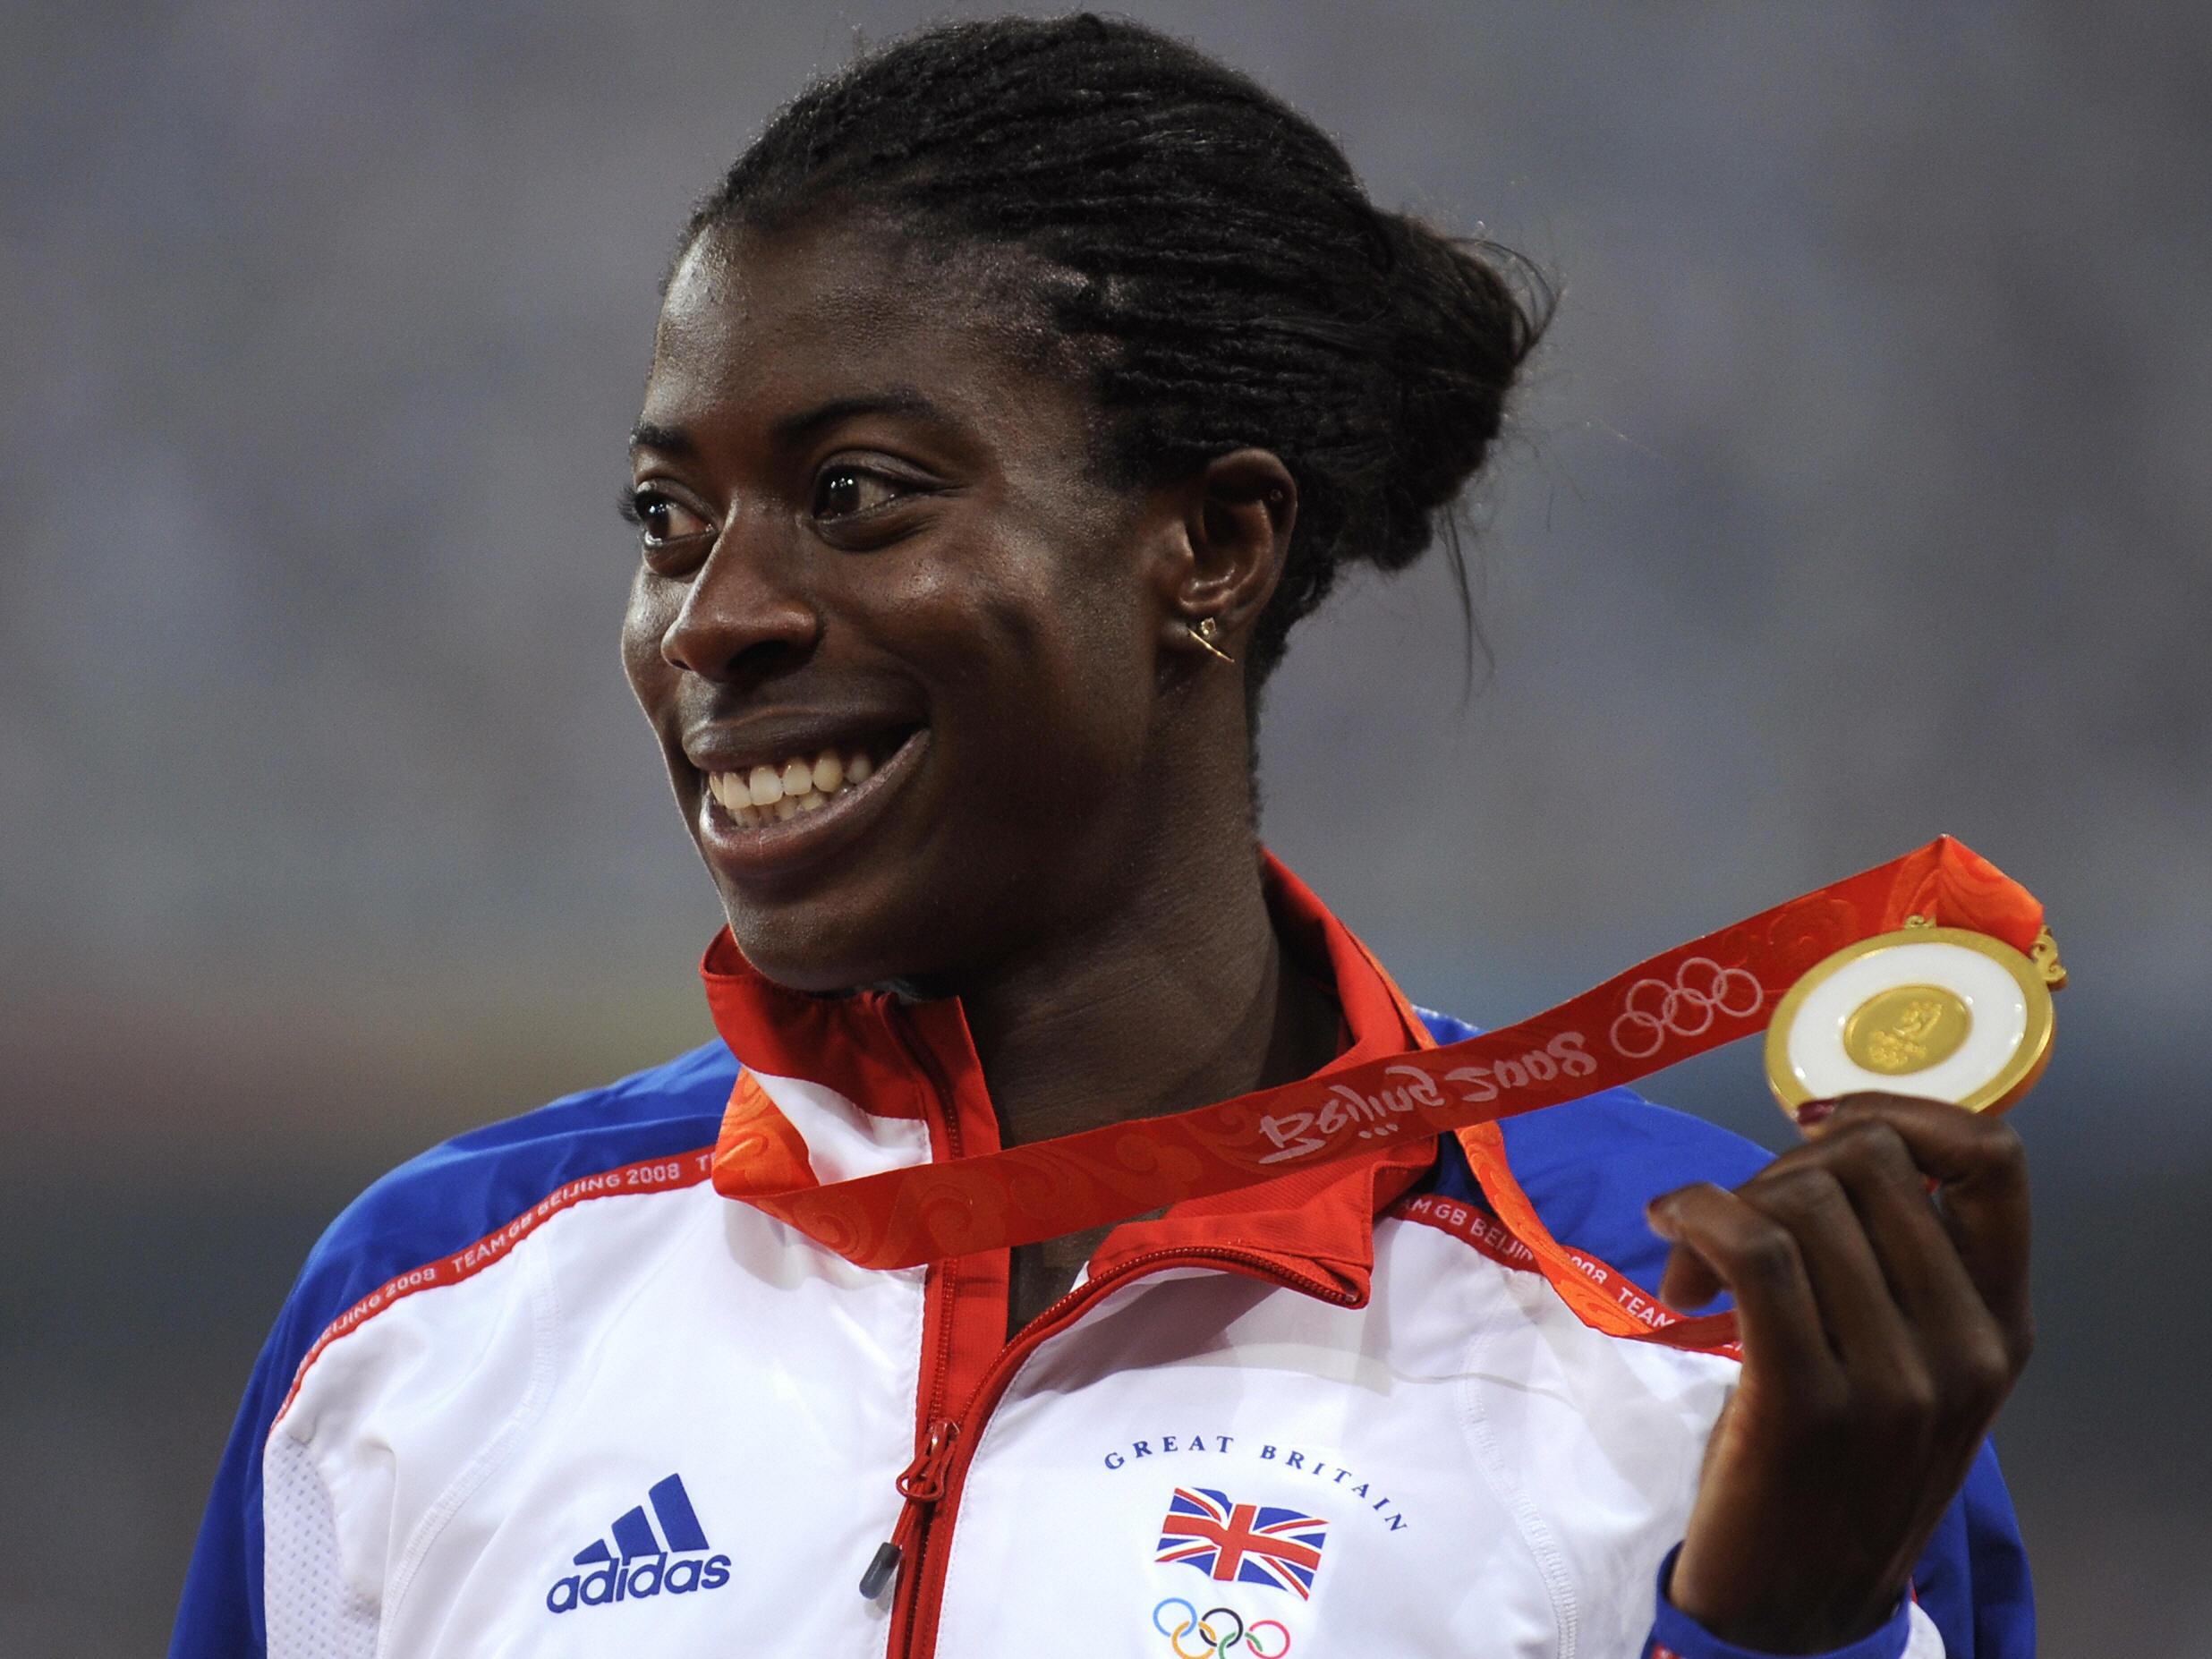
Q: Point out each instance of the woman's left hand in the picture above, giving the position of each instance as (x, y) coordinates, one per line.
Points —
(1882, 1327)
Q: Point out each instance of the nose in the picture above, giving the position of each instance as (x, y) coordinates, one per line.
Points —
(746, 611)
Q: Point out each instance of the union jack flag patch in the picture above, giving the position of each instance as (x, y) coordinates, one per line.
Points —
(1242, 1542)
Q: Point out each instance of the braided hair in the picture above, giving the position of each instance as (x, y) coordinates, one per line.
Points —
(1210, 255)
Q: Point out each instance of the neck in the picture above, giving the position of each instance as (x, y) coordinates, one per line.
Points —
(1177, 992)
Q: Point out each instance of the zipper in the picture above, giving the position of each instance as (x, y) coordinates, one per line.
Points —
(922, 1483)
(941, 1276)
(930, 1485)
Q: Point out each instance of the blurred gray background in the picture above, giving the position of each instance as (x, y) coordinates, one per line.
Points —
(1861, 493)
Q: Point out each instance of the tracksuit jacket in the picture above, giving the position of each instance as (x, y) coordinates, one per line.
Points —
(547, 1391)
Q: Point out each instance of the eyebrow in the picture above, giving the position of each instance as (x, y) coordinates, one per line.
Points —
(672, 439)
(794, 430)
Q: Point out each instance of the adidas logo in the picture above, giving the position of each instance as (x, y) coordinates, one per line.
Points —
(638, 1566)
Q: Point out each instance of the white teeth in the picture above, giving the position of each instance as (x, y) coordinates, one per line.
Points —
(766, 795)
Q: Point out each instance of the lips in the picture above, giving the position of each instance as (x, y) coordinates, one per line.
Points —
(771, 805)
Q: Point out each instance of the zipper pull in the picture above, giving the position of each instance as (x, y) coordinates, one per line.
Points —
(882, 1568)
(922, 1483)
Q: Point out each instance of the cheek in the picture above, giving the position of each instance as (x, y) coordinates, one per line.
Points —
(1065, 693)
(645, 621)
(1094, 639)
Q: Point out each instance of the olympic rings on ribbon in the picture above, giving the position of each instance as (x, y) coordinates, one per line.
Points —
(1702, 989)
(1219, 1644)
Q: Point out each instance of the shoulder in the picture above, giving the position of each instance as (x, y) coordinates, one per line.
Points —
(1590, 1165)
(460, 1193)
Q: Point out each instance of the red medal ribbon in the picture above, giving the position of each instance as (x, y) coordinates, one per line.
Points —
(1680, 1003)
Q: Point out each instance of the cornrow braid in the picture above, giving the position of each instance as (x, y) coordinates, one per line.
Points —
(1211, 249)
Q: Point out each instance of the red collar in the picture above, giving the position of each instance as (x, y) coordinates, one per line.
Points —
(899, 1060)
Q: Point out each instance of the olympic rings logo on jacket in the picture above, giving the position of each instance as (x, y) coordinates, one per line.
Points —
(1702, 988)
(1220, 1642)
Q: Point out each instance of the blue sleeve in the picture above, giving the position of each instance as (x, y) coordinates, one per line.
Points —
(1675, 1635)
(431, 1206)
(220, 1616)
(1973, 1581)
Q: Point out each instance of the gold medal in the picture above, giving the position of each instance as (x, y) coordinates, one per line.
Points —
(1940, 1013)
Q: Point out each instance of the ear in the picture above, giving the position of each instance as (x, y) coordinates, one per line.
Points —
(1236, 514)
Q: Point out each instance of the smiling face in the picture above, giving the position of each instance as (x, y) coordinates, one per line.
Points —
(900, 647)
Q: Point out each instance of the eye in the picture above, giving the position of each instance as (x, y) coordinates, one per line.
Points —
(846, 490)
(661, 519)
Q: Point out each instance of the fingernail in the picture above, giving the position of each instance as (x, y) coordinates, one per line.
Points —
(1813, 1112)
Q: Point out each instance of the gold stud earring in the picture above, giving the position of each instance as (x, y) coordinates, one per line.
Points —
(1207, 631)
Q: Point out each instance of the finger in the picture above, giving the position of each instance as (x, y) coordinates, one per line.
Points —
(1982, 1177)
(1688, 1283)
(1895, 1203)
(1910, 1237)
(1755, 1259)
(1963, 1345)
(1859, 1311)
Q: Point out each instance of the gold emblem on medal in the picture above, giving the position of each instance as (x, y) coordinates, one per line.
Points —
(1942, 1013)
(1907, 1029)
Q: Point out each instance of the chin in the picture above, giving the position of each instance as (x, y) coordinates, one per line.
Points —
(820, 947)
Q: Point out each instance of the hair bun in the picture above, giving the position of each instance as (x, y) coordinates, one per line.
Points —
(1461, 331)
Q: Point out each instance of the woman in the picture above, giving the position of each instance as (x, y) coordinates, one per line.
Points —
(1012, 398)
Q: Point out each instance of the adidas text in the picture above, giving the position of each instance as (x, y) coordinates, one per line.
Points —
(632, 1580)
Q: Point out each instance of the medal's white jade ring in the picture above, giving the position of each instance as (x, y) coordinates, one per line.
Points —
(1939, 1013)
